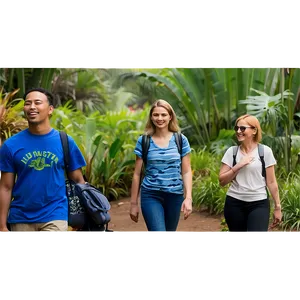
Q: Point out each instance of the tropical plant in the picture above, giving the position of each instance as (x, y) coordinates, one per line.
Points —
(111, 168)
(26, 78)
(290, 202)
(11, 115)
(225, 139)
(107, 143)
(202, 162)
(209, 194)
(273, 114)
(207, 100)
(90, 89)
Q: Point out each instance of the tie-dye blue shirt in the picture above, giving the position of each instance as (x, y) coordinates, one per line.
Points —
(163, 171)
(40, 191)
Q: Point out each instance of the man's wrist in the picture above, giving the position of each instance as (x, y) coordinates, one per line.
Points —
(3, 223)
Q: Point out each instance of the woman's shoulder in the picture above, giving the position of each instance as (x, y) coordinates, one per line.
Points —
(184, 138)
(232, 149)
(266, 148)
(143, 136)
(182, 135)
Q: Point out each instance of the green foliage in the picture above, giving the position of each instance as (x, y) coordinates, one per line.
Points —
(112, 167)
(114, 162)
(11, 115)
(107, 142)
(209, 194)
(91, 90)
(273, 113)
(269, 109)
(23, 79)
(224, 140)
(290, 202)
(202, 162)
(224, 226)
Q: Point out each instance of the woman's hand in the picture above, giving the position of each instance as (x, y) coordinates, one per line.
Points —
(134, 212)
(246, 160)
(277, 216)
(186, 207)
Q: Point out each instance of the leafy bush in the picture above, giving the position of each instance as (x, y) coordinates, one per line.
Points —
(208, 194)
(290, 201)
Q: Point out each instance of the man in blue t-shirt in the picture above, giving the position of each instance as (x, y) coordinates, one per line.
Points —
(32, 171)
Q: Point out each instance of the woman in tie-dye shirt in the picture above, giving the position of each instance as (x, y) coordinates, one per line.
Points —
(166, 188)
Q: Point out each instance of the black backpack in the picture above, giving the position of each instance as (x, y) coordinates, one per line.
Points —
(146, 145)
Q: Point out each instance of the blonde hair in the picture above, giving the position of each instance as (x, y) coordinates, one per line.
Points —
(252, 121)
(173, 124)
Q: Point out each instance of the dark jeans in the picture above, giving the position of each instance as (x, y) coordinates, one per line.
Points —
(161, 210)
(247, 216)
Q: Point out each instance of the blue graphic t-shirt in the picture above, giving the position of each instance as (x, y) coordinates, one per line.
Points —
(39, 193)
(163, 171)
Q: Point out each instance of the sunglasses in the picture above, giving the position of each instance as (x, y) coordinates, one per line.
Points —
(242, 128)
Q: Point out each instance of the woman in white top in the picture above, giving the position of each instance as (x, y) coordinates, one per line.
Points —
(247, 206)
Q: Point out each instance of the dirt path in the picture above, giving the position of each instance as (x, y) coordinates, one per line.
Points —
(198, 221)
(198, 224)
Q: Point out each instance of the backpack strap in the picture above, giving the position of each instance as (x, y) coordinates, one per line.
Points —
(178, 141)
(65, 145)
(263, 171)
(234, 153)
(145, 147)
(261, 156)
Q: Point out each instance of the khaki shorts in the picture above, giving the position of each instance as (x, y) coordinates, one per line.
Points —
(56, 225)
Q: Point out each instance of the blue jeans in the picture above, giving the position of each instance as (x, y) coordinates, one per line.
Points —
(161, 210)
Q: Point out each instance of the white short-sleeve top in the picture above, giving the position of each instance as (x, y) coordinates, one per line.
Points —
(249, 184)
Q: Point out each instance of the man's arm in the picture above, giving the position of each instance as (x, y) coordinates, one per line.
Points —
(7, 182)
(76, 176)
